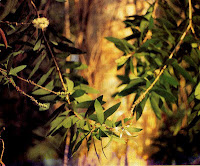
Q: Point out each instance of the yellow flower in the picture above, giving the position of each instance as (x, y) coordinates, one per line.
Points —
(40, 23)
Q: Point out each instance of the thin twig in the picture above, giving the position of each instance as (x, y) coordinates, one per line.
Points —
(33, 83)
(21, 91)
(57, 67)
(177, 47)
(35, 8)
(3, 147)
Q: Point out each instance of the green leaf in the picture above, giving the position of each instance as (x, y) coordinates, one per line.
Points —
(197, 92)
(169, 79)
(41, 58)
(56, 124)
(16, 70)
(78, 93)
(48, 98)
(111, 110)
(155, 107)
(78, 144)
(44, 77)
(183, 72)
(140, 107)
(87, 89)
(162, 92)
(37, 45)
(132, 86)
(102, 133)
(63, 55)
(67, 123)
(49, 86)
(83, 98)
(70, 85)
(121, 44)
(133, 129)
(91, 108)
(120, 61)
(85, 104)
(54, 42)
(99, 111)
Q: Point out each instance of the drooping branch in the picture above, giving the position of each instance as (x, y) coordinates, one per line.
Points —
(177, 47)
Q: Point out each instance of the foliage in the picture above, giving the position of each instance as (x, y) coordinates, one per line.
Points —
(34, 53)
(162, 66)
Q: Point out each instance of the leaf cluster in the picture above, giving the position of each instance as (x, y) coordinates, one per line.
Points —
(147, 52)
(41, 59)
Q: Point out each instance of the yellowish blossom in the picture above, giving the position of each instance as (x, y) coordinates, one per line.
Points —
(40, 23)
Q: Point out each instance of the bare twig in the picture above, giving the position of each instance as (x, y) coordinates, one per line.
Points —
(57, 67)
(2, 152)
(21, 91)
(177, 47)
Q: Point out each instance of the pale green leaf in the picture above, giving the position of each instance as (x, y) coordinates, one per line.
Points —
(197, 92)
(99, 111)
(70, 85)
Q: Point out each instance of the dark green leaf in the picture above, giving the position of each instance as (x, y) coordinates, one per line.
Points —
(78, 93)
(132, 86)
(140, 107)
(170, 79)
(167, 95)
(183, 72)
(40, 59)
(111, 110)
(121, 44)
(63, 55)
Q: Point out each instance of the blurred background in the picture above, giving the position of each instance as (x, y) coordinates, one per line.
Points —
(87, 23)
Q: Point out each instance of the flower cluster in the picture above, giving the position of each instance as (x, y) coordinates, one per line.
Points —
(40, 23)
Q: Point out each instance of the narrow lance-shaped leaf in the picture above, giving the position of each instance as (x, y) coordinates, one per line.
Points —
(155, 107)
(197, 92)
(44, 77)
(164, 93)
(37, 45)
(99, 111)
(111, 110)
(41, 58)
(70, 85)
(139, 108)
(16, 70)
(49, 86)
(86, 88)
(183, 72)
